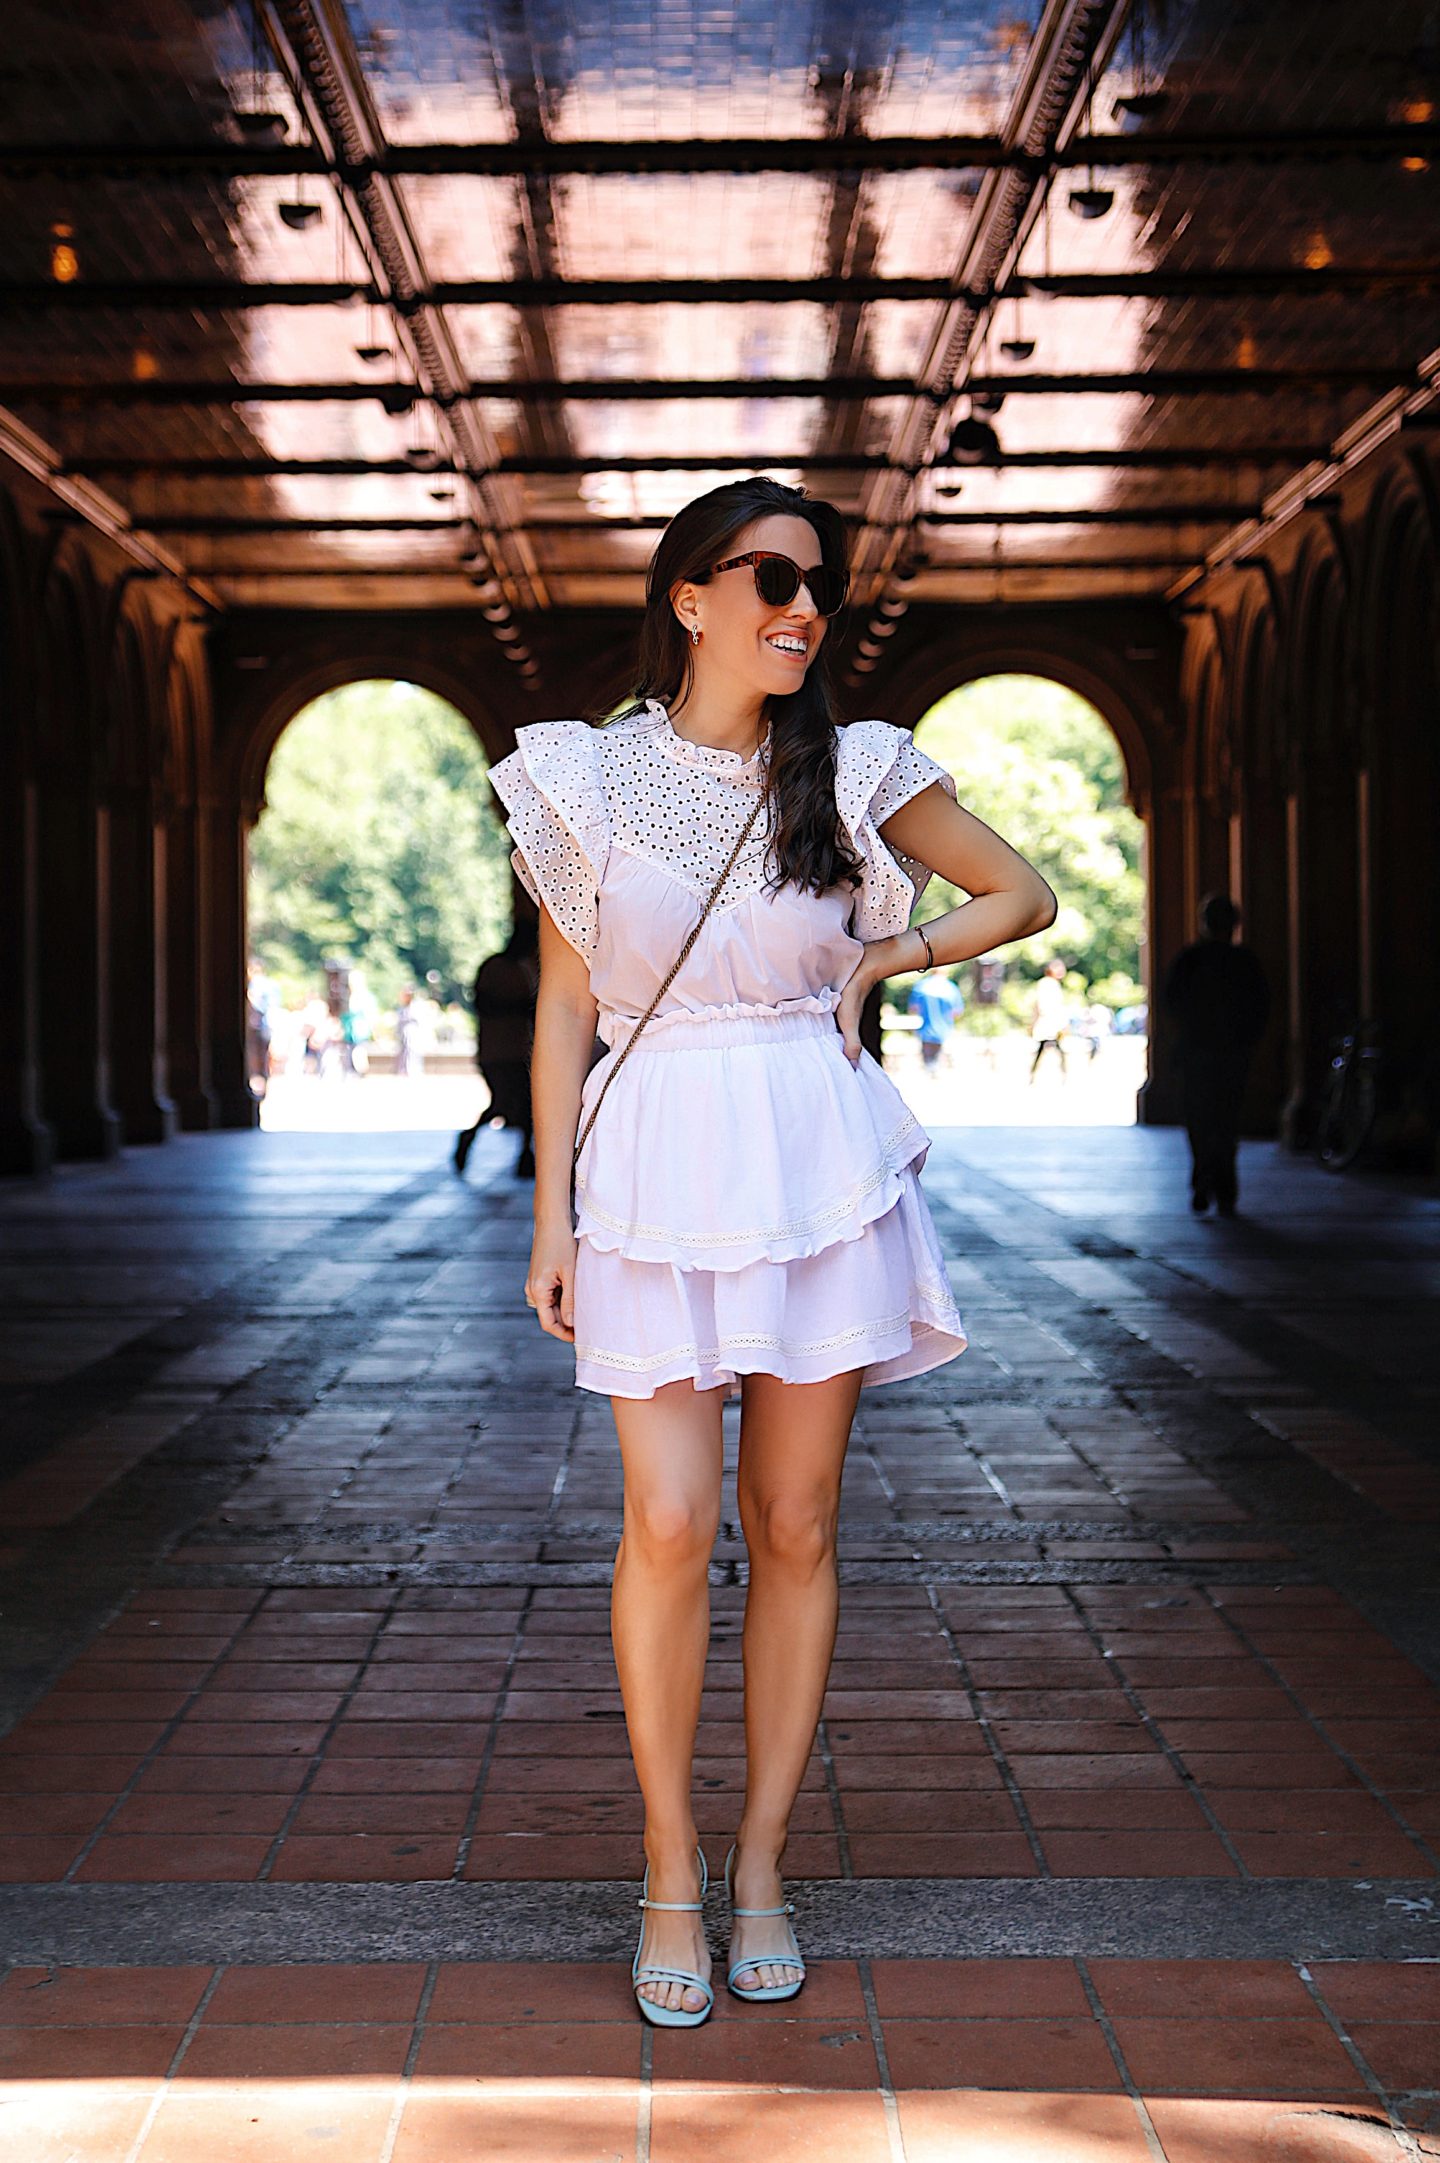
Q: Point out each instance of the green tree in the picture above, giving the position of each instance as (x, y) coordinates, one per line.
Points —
(378, 845)
(1040, 765)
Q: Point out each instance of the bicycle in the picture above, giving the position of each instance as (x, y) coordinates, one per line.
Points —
(1350, 1100)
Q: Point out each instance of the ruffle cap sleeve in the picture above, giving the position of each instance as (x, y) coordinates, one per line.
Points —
(554, 797)
(879, 767)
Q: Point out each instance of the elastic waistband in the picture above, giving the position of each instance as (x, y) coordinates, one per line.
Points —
(716, 1026)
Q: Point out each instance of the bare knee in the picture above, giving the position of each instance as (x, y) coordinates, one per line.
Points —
(671, 1533)
(794, 1533)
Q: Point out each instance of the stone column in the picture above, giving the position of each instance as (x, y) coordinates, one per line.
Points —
(74, 894)
(236, 1101)
(1261, 891)
(1323, 883)
(137, 967)
(26, 1142)
(1168, 911)
(187, 959)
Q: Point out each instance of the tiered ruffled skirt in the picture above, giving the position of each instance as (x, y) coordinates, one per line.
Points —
(748, 1202)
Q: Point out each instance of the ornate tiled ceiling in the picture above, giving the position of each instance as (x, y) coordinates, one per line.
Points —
(426, 299)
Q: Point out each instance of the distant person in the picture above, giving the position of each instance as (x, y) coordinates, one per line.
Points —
(409, 1059)
(938, 1003)
(262, 1002)
(1093, 1023)
(1218, 998)
(1049, 1017)
(357, 1024)
(317, 1028)
(506, 985)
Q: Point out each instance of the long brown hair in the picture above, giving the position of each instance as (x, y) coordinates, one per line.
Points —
(808, 843)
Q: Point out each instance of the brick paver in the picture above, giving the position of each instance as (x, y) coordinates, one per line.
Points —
(1122, 1832)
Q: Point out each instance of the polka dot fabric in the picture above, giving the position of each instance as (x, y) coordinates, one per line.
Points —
(747, 1201)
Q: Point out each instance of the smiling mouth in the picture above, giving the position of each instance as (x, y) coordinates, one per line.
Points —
(796, 648)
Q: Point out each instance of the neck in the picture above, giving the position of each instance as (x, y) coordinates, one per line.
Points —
(720, 718)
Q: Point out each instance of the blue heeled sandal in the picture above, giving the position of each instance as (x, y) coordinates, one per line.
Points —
(650, 1971)
(769, 1993)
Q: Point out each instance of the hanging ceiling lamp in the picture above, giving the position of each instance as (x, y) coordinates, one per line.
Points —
(973, 443)
(1092, 202)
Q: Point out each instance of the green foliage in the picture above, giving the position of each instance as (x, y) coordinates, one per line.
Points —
(1040, 765)
(378, 846)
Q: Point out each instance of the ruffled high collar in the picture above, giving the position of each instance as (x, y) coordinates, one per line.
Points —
(713, 758)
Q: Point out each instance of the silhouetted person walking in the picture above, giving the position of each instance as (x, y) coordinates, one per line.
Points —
(1049, 1017)
(506, 985)
(1218, 998)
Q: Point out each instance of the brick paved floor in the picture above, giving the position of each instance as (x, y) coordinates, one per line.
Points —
(316, 1828)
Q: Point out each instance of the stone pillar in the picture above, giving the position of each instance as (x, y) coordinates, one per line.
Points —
(1207, 852)
(1323, 909)
(26, 1142)
(236, 1101)
(74, 894)
(1168, 912)
(1261, 891)
(187, 966)
(138, 926)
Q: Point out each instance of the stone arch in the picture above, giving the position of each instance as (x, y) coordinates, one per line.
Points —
(937, 669)
(274, 712)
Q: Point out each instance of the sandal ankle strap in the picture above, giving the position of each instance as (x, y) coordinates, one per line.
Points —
(673, 1907)
(788, 1909)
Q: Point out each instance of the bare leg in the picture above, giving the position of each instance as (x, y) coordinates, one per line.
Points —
(793, 1438)
(660, 1625)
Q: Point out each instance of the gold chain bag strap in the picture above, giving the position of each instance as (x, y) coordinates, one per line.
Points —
(670, 976)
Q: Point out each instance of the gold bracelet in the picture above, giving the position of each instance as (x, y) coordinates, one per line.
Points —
(929, 950)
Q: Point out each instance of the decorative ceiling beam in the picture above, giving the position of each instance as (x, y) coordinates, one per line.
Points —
(201, 522)
(223, 296)
(1205, 281)
(49, 390)
(228, 296)
(1168, 514)
(634, 574)
(1151, 383)
(756, 154)
(1189, 382)
(1163, 459)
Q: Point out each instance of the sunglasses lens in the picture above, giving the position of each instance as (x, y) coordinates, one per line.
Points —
(827, 590)
(776, 580)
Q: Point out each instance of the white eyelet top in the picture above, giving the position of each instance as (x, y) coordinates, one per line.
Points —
(590, 806)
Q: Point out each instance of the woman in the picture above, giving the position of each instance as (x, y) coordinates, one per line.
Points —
(747, 1219)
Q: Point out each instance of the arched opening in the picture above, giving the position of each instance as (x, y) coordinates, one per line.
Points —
(1054, 1031)
(379, 878)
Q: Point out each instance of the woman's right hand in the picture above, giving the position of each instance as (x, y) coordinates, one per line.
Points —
(550, 1286)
